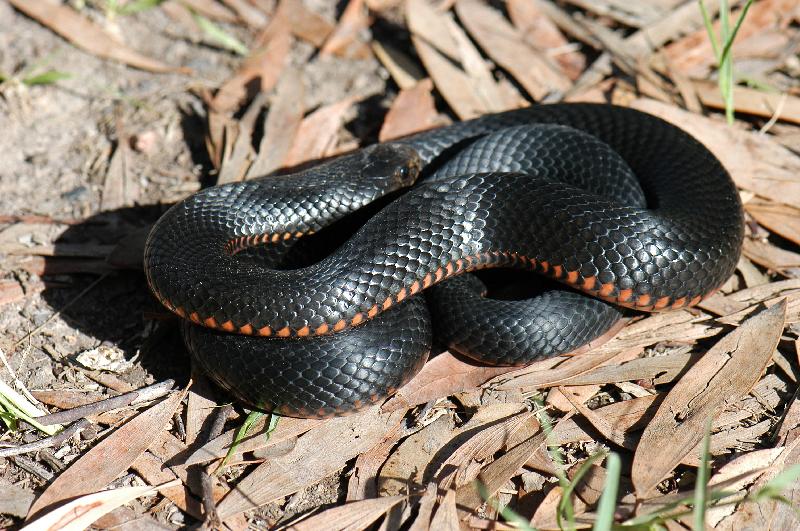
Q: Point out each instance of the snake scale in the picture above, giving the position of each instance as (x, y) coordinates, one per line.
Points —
(623, 208)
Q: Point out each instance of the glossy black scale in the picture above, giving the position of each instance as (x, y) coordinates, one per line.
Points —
(602, 196)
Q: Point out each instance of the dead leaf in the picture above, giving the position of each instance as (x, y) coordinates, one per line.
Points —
(318, 454)
(211, 9)
(423, 520)
(343, 41)
(487, 439)
(108, 459)
(769, 513)
(503, 43)
(541, 33)
(288, 428)
(86, 35)
(544, 518)
(722, 376)
(744, 469)
(770, 256)
(661, 369)
(281, 124)
(80, 513)
(248, 13)
(446, 517)
(316, 137)
(455, 66)
(235, 164)
(693, 55)
(405, 470)
(783, 220)
(401, 67)
(412, 111)
(536, 376)
(494, 475)
(356, 515)
(756, 162)
(305, 24)
(258, 72)
(442, 376)
(363, 482)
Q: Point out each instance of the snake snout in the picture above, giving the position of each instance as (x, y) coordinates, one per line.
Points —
(397, 164)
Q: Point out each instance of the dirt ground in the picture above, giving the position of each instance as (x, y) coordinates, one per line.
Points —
(58, 142)
(90, 161)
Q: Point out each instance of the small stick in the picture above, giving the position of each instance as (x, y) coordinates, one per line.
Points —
(144, 394)
(47, 442)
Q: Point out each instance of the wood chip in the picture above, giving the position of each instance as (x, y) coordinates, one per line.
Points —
(725, 373)
(751, 101)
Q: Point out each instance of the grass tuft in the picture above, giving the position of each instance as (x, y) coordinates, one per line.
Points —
(723, 49)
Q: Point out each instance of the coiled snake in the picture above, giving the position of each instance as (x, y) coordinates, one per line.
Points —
(615, 203)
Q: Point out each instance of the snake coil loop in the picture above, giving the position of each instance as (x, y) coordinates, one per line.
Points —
(614, 203)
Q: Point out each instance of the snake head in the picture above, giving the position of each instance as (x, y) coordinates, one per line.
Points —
(395, 165)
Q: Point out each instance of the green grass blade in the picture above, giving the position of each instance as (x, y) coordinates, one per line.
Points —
(16, 406)
(565, 506)
(506, 512)
(46, 78)
(553, 451)
(608, 499)
(241, 433)
(701, 484)
(729, 43)
(709, 29)
(776, 485)
(218, 35)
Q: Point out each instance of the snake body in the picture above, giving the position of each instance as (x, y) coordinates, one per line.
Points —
(615, 203)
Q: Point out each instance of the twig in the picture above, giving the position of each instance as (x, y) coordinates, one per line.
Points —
(144, 394)
(775, 115)
(212, 520)
(47, 442)
(33, 467)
